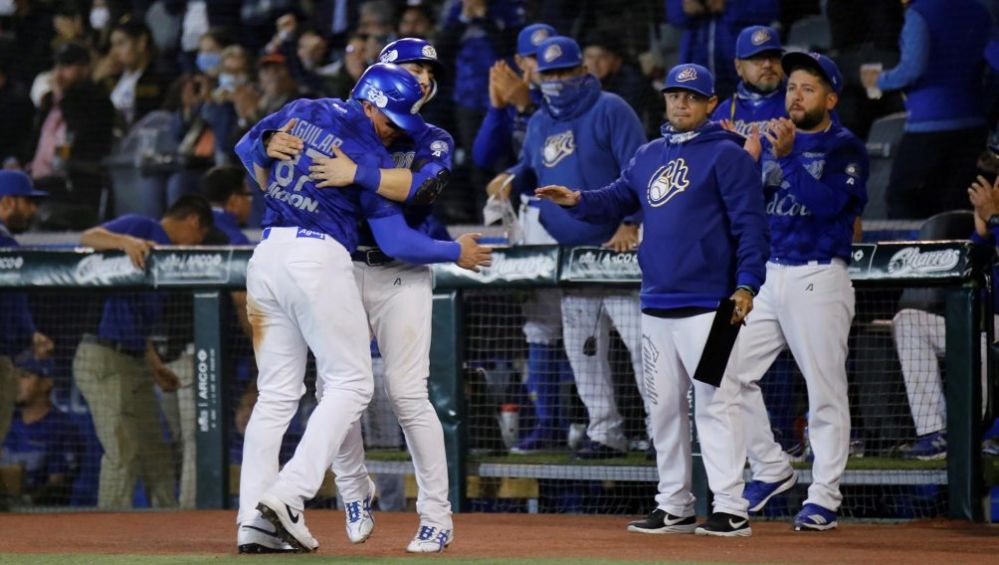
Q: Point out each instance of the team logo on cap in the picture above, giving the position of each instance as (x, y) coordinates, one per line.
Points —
(429, 52)
(760, 36)
(667, 182)
(377, 97)
(558, 147)
(687, 74)
(389, 57)
(551, 53)
(538, 36)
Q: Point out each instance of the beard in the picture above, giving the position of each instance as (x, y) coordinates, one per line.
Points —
(809, 119)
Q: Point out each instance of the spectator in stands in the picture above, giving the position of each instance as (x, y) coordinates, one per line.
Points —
(709, 31)
(73, 133)
(139, 86)
(583, 138)
(114, 367)
(219, 111)
(604, 57)
(68, 25)
(208, 61)
(197, 18)
(940, 71)
(277, 88)
(416, 21)
(345, 71)
(16, 115)
(42, 438)
(759, 96)
(377, 17)
(102, 14)
(18, 204)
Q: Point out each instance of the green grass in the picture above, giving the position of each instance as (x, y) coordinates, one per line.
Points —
(74, 558)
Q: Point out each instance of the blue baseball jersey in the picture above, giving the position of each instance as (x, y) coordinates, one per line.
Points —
(44, 448)
(16, 324)
(705, 226)
(814, 195)
(585, 150)
(227, 223)
(128, 319)
(427, 155)
(748, 107)
(291, 196)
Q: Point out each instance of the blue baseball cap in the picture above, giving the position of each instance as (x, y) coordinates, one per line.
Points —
(531, 36)
(818, 62)
(31, 364)
(755, 40)
(16, 183)
(559, 52)
(689, 76)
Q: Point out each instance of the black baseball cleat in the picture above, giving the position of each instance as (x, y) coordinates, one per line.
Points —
(596, 450)
(725, 525)
(661, 522)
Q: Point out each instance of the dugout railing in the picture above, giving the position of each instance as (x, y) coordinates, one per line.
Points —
(209, 273)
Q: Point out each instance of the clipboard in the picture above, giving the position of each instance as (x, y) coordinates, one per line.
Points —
(717, 350)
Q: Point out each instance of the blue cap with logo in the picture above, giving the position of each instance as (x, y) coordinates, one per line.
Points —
(559, 52)
(16, 183)
(395, 92)
(531, 36)
(818, 62)
(31, 364)
(689, 76)
(755, 40)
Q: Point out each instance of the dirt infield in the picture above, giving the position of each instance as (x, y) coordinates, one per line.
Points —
(509, 536)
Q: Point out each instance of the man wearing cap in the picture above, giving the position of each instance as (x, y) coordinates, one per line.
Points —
(73, 133)
(584, 137)
(605, 58)
(759, 96)
(815, 183)
(700, 193)
(18, 204)
(42, 439)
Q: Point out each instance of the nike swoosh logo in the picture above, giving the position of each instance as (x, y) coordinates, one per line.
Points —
(291, 515)
(263, 531)
(674, 521)
(736, 524)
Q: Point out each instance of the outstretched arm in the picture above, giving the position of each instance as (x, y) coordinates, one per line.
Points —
(402, 242)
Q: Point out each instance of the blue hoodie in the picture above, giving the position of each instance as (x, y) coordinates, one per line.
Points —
(586, 149)
(814, 195)
(747, 108)
(705, 227)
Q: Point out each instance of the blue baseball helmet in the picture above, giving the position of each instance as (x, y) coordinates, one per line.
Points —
(395, 92)
(413, 50)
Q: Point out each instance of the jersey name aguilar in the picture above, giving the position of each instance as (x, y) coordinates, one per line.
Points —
(287, 180)
(783, 203)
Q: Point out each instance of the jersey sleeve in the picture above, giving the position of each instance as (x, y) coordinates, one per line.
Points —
(739, 185)
(492, 142)
(612, 203)
(250, 148)
(843, 180)
(431, 168)
(402, 242)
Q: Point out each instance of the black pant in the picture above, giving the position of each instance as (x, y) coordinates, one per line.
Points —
(932, 172)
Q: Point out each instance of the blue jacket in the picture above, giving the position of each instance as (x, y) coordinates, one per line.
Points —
(585, 150)
(942, 64)
(705, 229)
(814, 195)
(747, 108)
(709, 40)
(16, 325)
(501, 135)
(227, 223)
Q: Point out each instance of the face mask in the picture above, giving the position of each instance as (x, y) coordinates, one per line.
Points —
(7, 7)
(229, 81)
(208, 62)
(564, 96)
(99, 17)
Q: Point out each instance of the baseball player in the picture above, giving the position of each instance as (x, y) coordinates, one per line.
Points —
(301, 277)
(583, 137)
(815, 176)
(701, 194)
(398, 299)
(759, 96)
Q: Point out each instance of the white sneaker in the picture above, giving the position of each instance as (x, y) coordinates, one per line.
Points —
(259, 536)
(430, 539)
(289, 523)
(360, 522)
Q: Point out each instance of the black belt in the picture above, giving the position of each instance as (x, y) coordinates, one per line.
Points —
(113, 345)
(372, 257)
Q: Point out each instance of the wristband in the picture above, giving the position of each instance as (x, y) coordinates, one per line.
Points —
(747, 288)
(368, 178)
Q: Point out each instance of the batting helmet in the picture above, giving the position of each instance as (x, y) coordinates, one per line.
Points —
(395, 92)
(413, 50)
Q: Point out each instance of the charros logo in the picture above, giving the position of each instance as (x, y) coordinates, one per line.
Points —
(100, 269)
(11, 263)
(538, 36)
(558, 147)
(687, 74)
(911, 260)
(760, 37)
(667, 182)
(377, 97)
(551, 53)
(429, 52)
(389, 56)
(514, 268)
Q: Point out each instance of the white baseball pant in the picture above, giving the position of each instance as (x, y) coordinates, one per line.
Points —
(671, 349)
(301, 295)
(398, 299)
(543, 310)
(808, 308)
(588, 313)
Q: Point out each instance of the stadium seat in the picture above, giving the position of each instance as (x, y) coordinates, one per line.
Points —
(810, 34)
(882, 145)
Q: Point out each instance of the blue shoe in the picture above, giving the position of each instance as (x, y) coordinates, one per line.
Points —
(758, 493)
(929, 447)
(538, 440)
(814, 518)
